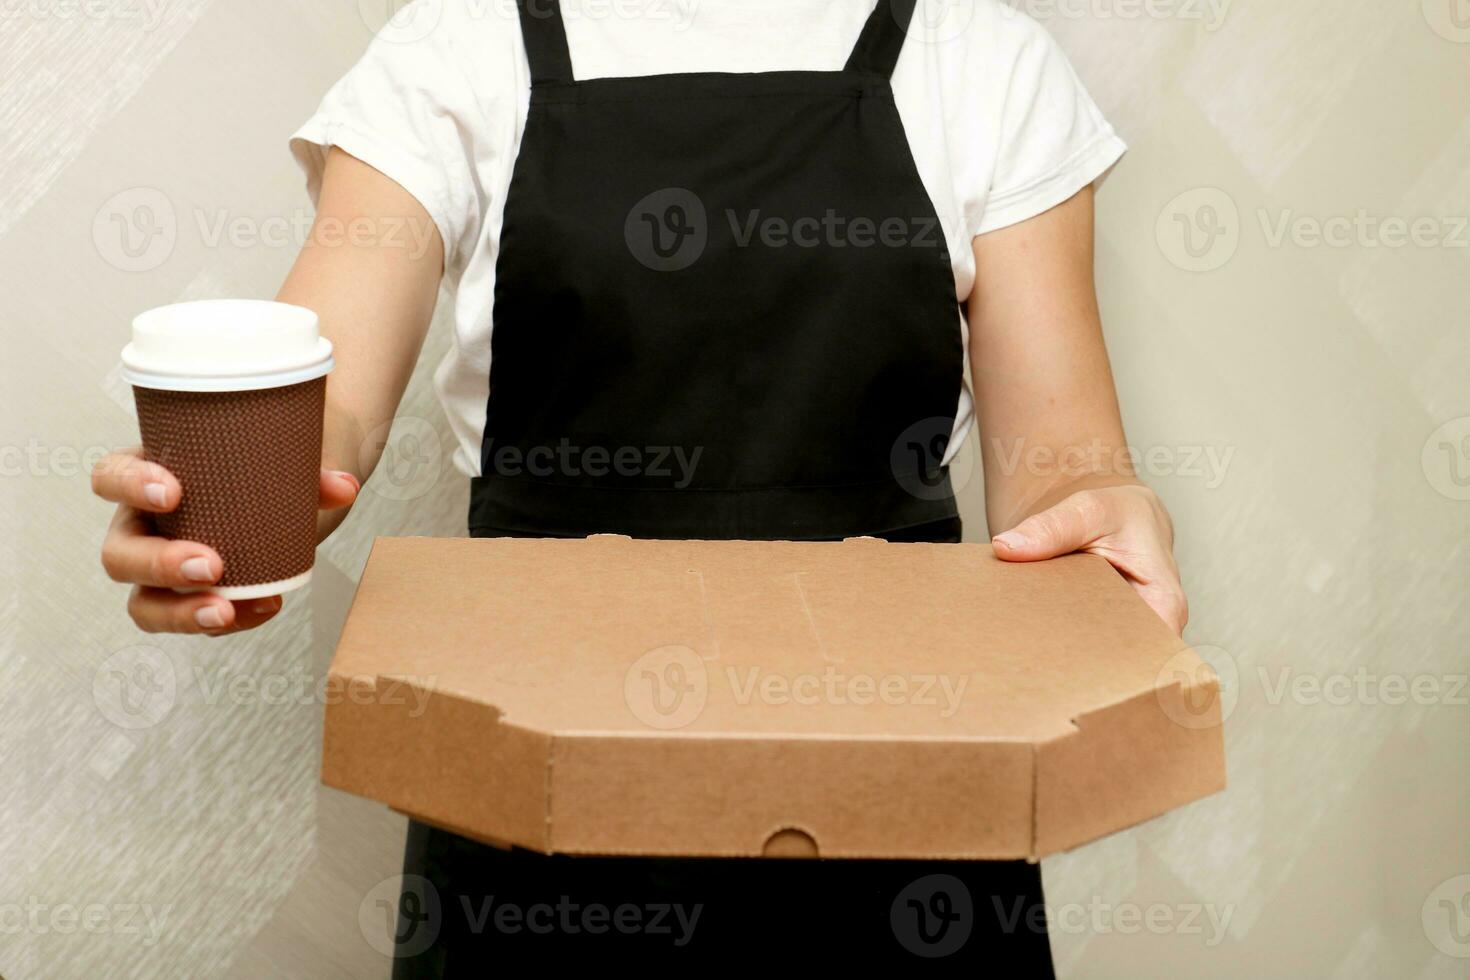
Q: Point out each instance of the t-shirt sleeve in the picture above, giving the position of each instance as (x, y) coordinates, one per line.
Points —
(1052, 139)
(405, 109)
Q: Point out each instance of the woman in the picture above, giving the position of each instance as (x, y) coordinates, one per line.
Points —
(700, 241)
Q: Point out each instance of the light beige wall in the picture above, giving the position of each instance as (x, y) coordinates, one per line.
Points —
(1306, 405)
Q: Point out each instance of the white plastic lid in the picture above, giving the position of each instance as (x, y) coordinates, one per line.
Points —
(225, 345)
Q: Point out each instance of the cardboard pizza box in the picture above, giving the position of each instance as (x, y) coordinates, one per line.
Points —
(730, 698)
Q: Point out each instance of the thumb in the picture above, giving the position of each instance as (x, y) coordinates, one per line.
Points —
(338, 489)
(1069, 526)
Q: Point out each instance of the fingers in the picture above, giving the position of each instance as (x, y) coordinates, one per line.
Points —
(250, 613)
(1070, 526)
(165, 611)
(127, 478)
(156, 566)
(1141, 556)
(1170, 604)
(338, 489)
(130, 553)
(1126, 525)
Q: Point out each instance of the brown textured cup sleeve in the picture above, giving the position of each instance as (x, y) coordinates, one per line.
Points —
(250, 466)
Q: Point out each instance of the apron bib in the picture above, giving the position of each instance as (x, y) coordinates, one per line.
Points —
(724, 306)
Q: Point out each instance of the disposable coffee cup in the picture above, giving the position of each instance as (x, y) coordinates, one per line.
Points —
(230, 395)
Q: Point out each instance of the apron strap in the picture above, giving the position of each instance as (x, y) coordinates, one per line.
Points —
(882, 38)
(546, 41)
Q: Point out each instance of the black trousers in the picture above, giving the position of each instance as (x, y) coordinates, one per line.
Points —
(465, 904)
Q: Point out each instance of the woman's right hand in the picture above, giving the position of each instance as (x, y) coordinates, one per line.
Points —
(133, 553)
(375, 296)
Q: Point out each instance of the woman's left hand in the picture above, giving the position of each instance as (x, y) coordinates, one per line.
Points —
(1127, 525)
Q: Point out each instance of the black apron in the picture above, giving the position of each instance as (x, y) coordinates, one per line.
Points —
(740, 271)
(724, 308)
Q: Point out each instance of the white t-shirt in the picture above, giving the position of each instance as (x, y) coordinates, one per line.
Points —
(998, 123)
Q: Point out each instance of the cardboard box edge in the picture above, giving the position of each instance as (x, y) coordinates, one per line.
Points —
(1202, 743)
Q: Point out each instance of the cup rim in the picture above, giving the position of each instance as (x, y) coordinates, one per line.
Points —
(146, 372)
(242, 381)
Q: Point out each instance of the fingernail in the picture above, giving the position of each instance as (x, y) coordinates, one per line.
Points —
(198, 570)
(344, 475)
(209, 617)
(156, 493)
(1009, 540)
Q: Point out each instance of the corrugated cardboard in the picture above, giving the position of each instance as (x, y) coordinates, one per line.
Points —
(852, 699)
